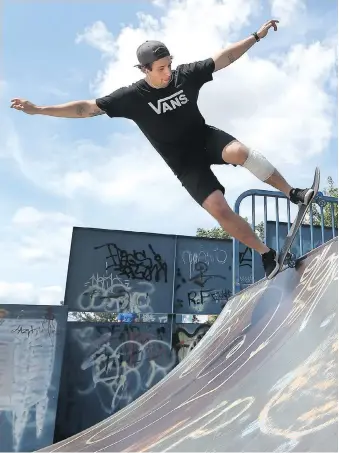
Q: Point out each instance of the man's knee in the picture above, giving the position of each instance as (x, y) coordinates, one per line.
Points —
(258, 165)
(235, 153)
(238, 154)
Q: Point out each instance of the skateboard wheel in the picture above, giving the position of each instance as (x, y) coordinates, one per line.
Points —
(287, 258)
(291, 263)
(291, 260)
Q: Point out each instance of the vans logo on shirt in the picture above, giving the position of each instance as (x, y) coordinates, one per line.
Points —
(170, 103)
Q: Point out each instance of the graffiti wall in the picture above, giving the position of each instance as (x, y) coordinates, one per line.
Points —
(31, 350)
(106, 367)
(118, 271)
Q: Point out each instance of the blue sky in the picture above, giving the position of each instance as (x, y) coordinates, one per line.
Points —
(55, 173)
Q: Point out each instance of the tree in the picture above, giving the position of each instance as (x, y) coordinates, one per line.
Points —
(213, 233)
(211, 319)
(93, 317)
(330, 191)
(260, 230)
(220, 233)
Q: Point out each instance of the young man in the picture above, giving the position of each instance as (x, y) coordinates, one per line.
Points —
(164, 106)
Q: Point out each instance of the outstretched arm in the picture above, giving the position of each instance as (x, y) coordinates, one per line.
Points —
(232, 53)
(75, 109)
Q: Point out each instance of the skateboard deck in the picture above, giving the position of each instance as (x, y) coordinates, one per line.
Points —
(285, 257)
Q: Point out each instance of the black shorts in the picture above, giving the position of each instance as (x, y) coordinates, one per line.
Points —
(197, 177)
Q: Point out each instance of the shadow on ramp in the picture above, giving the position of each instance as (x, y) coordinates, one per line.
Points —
(264, 377)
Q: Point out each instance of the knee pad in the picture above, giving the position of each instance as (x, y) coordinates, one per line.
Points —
(257, 164)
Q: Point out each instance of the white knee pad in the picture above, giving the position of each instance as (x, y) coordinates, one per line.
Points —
(257, 164)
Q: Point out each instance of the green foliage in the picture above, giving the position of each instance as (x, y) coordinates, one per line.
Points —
(220, 233)
(213, 233)
(212, 319)
(94, 317)
(259, 229)
(330, 191)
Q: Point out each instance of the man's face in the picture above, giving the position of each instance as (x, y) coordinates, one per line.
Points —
(161, 72)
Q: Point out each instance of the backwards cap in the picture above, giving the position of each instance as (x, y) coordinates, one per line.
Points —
(151, 51)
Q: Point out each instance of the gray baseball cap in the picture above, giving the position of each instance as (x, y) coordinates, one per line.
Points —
(151, 51)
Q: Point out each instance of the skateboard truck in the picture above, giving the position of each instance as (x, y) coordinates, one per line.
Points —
(290, 260)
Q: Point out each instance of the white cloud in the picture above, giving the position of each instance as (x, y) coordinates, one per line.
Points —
(28, 293)
(99, 37)
(219, 20)
(160, 3)
(34, 252)
(42, 237)
(287, 12)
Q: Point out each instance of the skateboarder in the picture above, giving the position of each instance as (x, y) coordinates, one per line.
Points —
(164, 106)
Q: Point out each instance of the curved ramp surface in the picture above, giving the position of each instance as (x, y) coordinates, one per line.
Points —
(264, 377)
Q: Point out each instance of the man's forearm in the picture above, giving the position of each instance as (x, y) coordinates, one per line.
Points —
(234, 51)
(75, 109)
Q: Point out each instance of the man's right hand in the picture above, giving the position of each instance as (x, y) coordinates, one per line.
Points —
(24, 106)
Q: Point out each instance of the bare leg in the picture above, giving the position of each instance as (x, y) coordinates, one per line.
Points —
(232, 223)
(278, 182)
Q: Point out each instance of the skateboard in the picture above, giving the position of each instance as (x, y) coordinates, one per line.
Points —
(285, 256)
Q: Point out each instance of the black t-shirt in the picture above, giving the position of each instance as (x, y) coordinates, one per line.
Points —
(169, 117)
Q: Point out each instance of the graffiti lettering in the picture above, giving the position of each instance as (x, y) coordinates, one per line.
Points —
(181, 278)
(109, 293)
(246, 279)
(128, 370)
(197, 298)
(245, 257)
(150, 317)
(222, 295)
(45, 326)
(135, 265)
(201, 278)
(192, 258)
(25, 330)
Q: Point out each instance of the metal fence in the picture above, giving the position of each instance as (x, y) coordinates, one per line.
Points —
(276, 195)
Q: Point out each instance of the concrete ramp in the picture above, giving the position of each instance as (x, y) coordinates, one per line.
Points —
(264, 377)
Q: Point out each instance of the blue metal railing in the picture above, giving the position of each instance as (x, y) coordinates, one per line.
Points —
(276, 195)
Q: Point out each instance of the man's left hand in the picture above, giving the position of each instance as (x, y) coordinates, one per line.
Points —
(263, 30)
